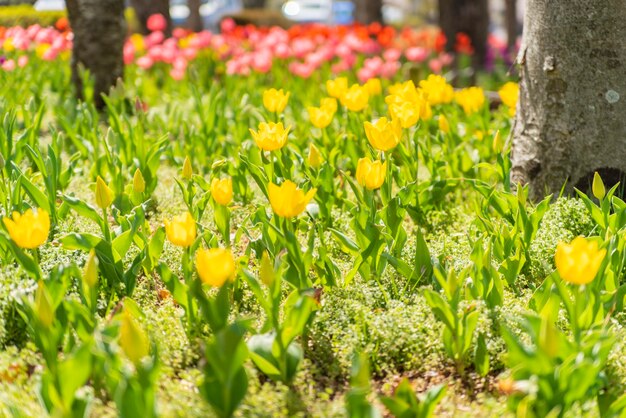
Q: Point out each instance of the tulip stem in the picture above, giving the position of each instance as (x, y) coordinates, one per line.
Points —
(187, 277)
(105, 226)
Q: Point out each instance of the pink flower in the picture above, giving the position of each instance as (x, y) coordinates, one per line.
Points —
(365, 74)
(145, 62)
(446, 59)
(281, 50)
(179, 33)
(129, 53)
(416, 54)
(389, 69)
(177, 74)
(435, 65)
(262, 62)
(8, 65)
(228, 25)
(22, 61)
(154, 38)
(392, 54)
(156, 22)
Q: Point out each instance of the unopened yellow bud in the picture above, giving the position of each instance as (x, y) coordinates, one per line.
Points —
(139, 184)
(315, 158)
(43, 305)
(598, 186)
(90, 273)
(187, 170)
(266, 270)
(104, 195)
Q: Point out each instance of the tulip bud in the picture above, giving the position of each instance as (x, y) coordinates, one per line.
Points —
(598, 186)
(133, 339)
(43, 305)
(315, 158)
(90, 273)
(266, 270)
(104, 195)
(498, 142)
(187, 170)
(139, 184)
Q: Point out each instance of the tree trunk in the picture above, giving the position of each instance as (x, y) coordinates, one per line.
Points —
(146, 8)
(368, 11)
(511, 23)
(570, 120)
(470, 17)
(253, 4)
(194, 21)
(99, 32)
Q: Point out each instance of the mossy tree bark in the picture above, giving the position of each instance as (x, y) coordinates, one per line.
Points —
(99, 31)
(570, 117)
(368, 11)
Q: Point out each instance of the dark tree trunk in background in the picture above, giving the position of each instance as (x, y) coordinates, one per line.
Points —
(253, 4)
(194, 22)
(470, 17)
(368, 11)
(511, 23)
(99, 31)
(570, 117)
(146, 8)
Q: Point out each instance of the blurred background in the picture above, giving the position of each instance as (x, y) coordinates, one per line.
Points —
(504, 17)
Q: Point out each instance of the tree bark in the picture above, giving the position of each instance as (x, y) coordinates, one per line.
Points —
(470, 17)
(194, 21)
(146, 8)
(99, 31)
(570, 119)
(368, 11)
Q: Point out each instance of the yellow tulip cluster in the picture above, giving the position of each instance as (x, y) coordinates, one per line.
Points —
(437, 90)
(215, 265)
(471, 99)
(408, 104)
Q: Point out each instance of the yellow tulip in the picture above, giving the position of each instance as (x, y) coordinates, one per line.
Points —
(8, 45)
(275, 100)
(133, 340)
(471, 99)
(187, 169)
(288, 200)
(315, 158)
(270, 136)
(320, 117)
(181, 230)
(444, 126)
(437, 90)
(329, 103)
(509, 94)
(215, 266)
(371, 174)
(579, 261)
(337, 88)
(104, 195)
(373, 86)
(407, 113)
(222, 190)
(139, 184)
(384, 134)
(356, 98)
(30, 229)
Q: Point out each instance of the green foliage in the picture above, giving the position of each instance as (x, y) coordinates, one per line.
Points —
(26, 15)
